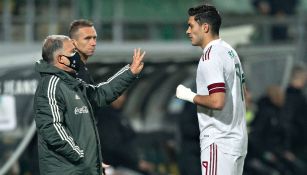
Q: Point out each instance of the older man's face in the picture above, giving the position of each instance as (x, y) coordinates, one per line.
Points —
(69, 50)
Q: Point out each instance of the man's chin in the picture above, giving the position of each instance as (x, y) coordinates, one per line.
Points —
(90, 54)
(194, 44)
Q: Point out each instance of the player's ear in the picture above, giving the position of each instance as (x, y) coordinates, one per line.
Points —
(74, 42)
(206, 27)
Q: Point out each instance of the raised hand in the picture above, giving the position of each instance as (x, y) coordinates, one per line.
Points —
(137, 62)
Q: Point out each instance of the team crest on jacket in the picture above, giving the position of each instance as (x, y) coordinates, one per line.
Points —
(77, 97)
(231, 54)
(81, 110)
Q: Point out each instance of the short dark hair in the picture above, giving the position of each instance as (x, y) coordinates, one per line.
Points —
(207, 14)
(76, 25)
(51, 45)
(298, 70)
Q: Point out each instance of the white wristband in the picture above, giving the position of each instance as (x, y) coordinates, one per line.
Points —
(185, 93)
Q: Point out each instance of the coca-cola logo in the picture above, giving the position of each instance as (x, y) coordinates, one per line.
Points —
(81, 110)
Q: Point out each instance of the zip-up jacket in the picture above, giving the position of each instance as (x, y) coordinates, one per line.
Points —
(68, 141)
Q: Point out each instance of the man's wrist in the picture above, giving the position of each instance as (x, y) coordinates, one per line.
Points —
(185, 93)
(191, 97)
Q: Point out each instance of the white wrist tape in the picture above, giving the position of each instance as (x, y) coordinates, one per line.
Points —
(185, 93)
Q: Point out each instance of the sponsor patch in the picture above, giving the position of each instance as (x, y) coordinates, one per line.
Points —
(81, 110)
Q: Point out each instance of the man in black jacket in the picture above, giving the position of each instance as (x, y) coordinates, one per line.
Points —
(68, 140)
(84, 37)
(83, 34)
(295, 112)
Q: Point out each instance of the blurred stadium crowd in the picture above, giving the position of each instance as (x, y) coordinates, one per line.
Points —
(159, 131)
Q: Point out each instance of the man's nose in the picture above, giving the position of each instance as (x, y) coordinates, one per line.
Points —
(93, 42)
(187, 31)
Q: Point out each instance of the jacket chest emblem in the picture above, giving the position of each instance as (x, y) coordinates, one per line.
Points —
(81, 110)
(77, 97)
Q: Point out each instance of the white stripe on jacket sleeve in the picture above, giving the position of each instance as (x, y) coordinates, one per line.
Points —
(57, 117)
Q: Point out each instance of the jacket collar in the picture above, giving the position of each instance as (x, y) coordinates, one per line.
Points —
(43, 68)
